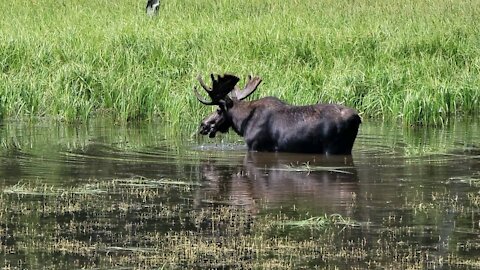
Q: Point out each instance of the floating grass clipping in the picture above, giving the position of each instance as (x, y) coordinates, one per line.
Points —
(321, 222)
(472, 180)
(152, 183)
(93, 189)
(45, 190)
(309, 168)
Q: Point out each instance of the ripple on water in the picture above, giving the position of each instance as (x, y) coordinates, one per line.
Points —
(415, 190)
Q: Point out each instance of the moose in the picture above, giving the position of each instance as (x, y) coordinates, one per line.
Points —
(269, 124)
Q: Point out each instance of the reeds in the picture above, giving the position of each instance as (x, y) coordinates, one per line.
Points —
(412, 61)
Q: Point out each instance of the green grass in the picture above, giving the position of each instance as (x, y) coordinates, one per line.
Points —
(412, 61)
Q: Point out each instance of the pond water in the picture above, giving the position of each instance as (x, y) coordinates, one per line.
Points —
(141, 195)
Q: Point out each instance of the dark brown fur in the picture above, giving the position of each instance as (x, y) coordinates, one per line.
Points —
(269, 124)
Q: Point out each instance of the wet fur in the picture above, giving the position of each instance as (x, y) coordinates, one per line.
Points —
(269, 124)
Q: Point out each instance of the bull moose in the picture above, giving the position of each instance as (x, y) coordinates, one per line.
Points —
(269, 124)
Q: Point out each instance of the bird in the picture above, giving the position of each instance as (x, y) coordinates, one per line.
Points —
(152, 7)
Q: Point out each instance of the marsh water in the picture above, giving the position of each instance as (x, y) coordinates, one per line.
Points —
(141, 195)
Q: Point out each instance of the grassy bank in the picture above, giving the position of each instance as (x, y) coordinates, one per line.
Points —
(414, 61)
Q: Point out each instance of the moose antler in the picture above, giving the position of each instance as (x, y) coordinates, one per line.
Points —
(206, 88)
(221, 86)
(249, 88)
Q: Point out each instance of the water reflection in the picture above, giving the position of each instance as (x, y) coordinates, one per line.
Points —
(65, 154)
(277, 178)
(416, 189)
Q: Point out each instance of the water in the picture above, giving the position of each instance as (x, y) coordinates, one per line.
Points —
(103, 195)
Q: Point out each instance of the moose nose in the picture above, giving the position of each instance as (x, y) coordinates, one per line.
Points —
(212, 134)
(207, 129)
(202, 129)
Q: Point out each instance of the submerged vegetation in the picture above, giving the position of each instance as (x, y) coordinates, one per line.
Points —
(413, 61)
(129, 223)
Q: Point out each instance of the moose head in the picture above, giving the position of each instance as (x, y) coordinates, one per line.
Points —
(269, 124)
(224, 93)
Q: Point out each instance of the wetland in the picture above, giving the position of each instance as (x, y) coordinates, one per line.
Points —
(139, 195)
(142, 191)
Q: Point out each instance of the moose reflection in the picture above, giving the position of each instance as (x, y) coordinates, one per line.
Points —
(269, 124)
(294, 179)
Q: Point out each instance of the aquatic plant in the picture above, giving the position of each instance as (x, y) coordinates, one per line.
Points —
(412, 61)
(131, 225)
(321, 222)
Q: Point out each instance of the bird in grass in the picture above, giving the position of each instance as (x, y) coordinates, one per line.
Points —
(152, 7)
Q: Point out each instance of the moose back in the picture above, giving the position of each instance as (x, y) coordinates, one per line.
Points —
(269, 124)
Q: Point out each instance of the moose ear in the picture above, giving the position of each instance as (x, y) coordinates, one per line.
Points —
(225, 104)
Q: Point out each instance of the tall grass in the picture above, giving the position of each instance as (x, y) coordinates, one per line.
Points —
(413, 61)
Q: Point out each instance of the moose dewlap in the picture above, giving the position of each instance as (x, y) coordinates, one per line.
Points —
(269, 124)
